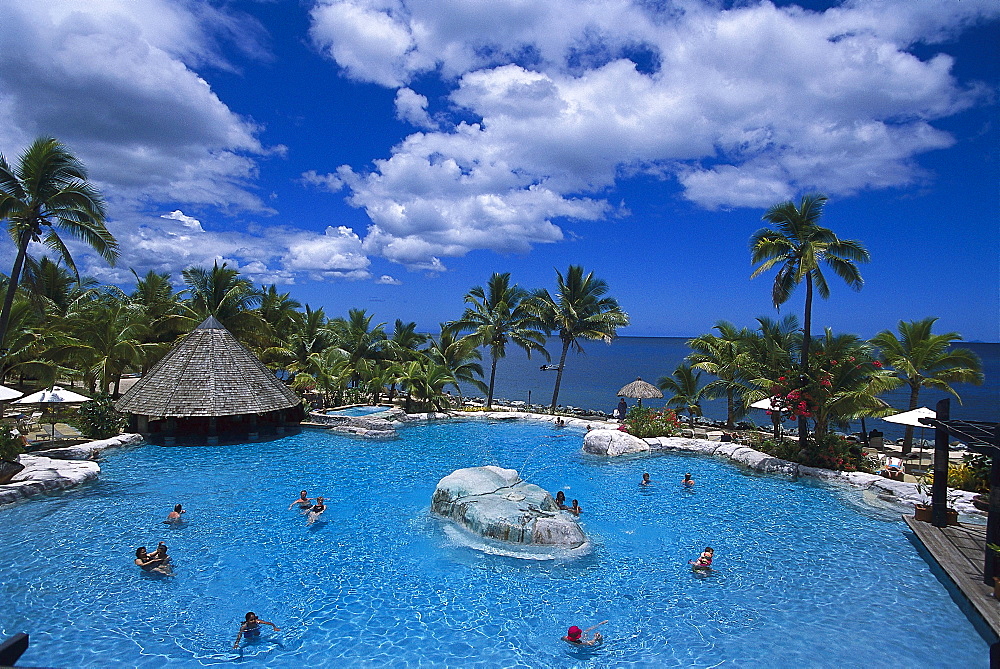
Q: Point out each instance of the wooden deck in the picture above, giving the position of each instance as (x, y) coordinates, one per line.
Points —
(958, 549)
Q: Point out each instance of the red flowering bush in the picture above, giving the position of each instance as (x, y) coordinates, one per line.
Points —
(645, 422)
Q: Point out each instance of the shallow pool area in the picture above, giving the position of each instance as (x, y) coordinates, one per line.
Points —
(805, 575)
(357, 411)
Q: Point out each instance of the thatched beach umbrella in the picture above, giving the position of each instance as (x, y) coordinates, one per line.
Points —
(640, 390)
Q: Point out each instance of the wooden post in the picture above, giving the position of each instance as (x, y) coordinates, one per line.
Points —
(993, 515)
(939, 490)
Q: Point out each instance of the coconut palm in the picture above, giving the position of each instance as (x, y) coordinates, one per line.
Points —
(48, 191)
(497, 316)
(111, 331)
(579, 310)
(357, 337)
(726, 356)
(924, 360)
(459, 356)
(800, 247)
(687, 394)
(231, 299)
(280, 311)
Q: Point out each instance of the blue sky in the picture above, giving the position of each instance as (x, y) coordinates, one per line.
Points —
(391, 154)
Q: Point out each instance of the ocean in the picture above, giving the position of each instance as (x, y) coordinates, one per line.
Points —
(592, 379)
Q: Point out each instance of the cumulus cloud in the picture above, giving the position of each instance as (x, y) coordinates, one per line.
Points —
(743, 106)
(186, 221)
(412, 108)
(387, 280)
(114, 80)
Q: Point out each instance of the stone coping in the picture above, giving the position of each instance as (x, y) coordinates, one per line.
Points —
(60, 468)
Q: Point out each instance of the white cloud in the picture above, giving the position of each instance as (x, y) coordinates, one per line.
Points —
(412, 108)
(744, 107)
(186, 221)
(387, 280)
(113, 79)
(335, 254)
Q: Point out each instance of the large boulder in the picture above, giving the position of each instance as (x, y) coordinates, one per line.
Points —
(612, 443)
(495, 503)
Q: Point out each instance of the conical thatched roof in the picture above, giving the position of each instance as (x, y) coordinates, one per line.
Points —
(208, 373)
(640, 389)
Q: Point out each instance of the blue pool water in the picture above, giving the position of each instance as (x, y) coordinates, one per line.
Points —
(357, 411)
(806, 576)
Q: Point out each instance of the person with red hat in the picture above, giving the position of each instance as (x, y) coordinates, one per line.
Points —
(576, 636)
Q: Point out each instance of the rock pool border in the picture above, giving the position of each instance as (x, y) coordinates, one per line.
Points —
(60, 468)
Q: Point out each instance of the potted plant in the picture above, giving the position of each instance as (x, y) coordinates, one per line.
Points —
(10, 448)
(922, 510)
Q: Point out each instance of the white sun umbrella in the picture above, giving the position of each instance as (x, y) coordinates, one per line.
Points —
(912, 418)
(764, 404)
(54, 395)
(6, 395)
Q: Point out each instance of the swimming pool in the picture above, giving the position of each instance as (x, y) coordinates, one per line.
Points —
(357, 411)
(805, 575)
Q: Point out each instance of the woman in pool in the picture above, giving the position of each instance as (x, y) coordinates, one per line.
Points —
(645, 479)
(704, 560)
(561, 500)
(303, 501)
(150, 563)
(577, 636)
(250, 629)
(174, 517)
(315, 511)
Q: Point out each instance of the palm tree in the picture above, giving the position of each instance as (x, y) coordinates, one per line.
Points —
(726, 356)
(280, 311)
(459, 356)
(686, 393)
(232, 300)
(801, 246)
(356, 336)
(499, 315)
(48, 189)
(924, 360)
(111, 331)
(579, 310)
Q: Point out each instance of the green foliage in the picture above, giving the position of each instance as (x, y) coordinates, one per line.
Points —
(98, 418)
(973, 474)
(10, 444)
(829, 452)
(645, 422)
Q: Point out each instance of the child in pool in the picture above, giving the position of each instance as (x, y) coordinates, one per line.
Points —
(704, 560)
(250, 628)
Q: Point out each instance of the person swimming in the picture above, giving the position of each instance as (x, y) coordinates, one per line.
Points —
(250, 629)
(645, 479)
(303, 501)
(704, 560)
(151, 563)
(577, 636)
(315, 511)
(688, 481)
(561, 500)
(576, 509)
(174, 517)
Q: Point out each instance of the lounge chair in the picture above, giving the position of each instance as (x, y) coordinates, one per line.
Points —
(33, 420)
(892, 468)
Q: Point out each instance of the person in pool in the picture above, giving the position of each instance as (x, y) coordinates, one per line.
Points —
(150, 563)
(645, 479)
(250, 629)
(688, 481)
(303, 501)
(561, 500)
(174, 517)
(704, 560)
(576, 509)
(315, 511)
(578, 637)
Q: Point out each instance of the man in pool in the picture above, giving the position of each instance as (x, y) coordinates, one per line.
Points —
(576, 509)
(577, 636)
(645, 479)
(250, 629)
(303, 501)
(315, 511)
(150, 563)
(174, 517)
(688, 481)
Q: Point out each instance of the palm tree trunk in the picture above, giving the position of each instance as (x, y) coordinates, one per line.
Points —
(562, 362)
(493, 376)
(806, 336)
(8, 301)
(908, 435)
(730, 409)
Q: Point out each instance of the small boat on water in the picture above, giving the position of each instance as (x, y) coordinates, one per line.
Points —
(548, 368)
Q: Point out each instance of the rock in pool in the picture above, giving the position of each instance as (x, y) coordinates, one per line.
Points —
(495, 503)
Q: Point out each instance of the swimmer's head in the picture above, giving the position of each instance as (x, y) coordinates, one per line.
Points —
(177, 508)
(560, 496)
(302, 494)
(140, 551)
(574, 632)
(687, 477)
(645, 476)
(251, 616)
(709, 549)
(319, 500)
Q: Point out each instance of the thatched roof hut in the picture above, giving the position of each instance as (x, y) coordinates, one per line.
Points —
(641, 390)
(209, 375)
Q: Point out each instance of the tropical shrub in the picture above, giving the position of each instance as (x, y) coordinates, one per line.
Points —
(98, 418)
(829, 452)
(10, 444)
(646, 422)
